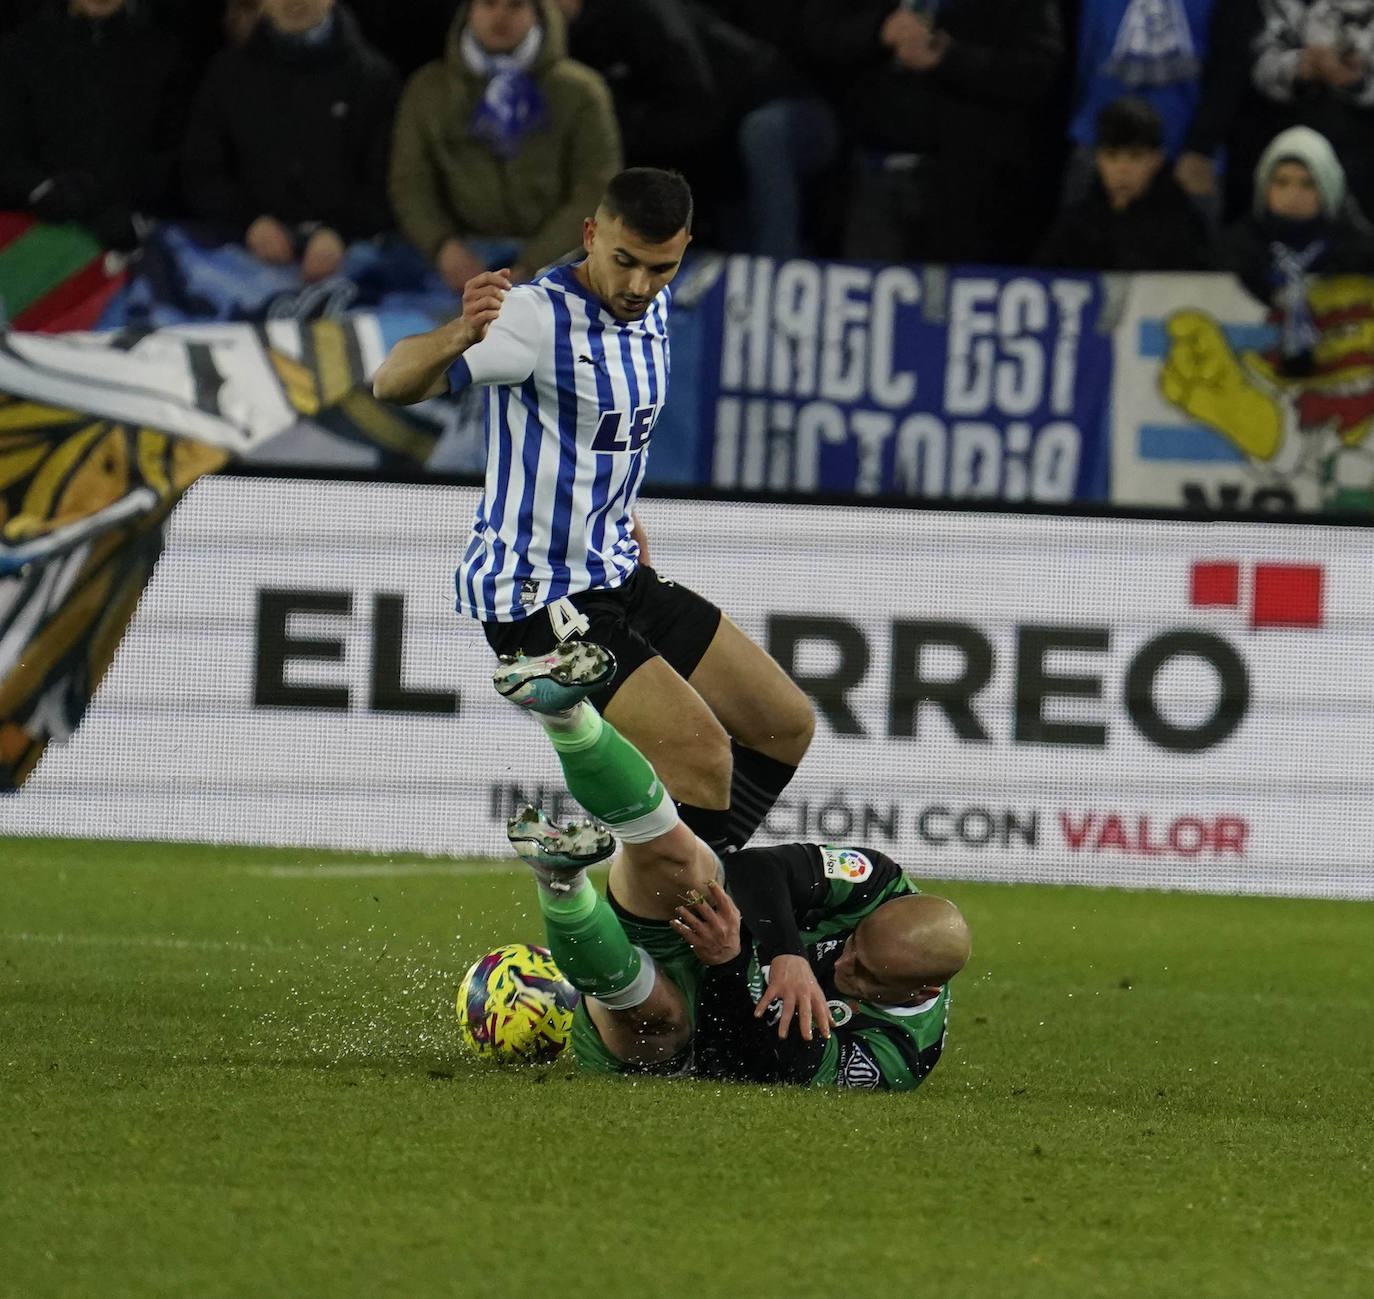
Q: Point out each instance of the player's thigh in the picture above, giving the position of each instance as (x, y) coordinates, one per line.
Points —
(673, 618)
(673, 726)
(758, 703)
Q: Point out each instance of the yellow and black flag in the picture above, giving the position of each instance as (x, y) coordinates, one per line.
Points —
(100, 436)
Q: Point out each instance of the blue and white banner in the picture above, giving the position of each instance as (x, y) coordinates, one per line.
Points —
(877, 380)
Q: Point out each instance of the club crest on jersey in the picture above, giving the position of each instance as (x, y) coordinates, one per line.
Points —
(858, 1068)
(845, 864)
(841, 1012)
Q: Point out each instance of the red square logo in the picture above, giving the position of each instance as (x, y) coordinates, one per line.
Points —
(1287, 595)
(1215, 584)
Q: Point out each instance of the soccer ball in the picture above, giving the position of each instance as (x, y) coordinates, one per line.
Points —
(515, 1006)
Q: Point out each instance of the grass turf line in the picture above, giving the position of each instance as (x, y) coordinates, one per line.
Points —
(224, 1073)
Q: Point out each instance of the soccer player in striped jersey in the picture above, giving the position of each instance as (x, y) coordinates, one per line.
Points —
(575, 366)
(836, 938)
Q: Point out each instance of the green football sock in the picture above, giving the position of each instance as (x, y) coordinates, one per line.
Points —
(588, 944)
(605, 773)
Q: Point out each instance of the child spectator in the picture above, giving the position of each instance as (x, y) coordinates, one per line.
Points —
(1302, 223)
(1135, 216)
(1152, 51)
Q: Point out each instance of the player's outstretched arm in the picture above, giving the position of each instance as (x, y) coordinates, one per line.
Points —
(417, 367)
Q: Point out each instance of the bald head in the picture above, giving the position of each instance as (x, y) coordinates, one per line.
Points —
(904, 951)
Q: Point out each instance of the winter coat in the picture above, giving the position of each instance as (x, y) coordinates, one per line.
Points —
(983, 115)
(1247, 247)
(1160, 231)
(447, 183)
(296, 132)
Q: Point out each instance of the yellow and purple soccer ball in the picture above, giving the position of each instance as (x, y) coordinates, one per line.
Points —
(514, 1006)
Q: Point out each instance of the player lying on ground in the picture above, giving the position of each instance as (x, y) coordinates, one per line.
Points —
(575, 369)
(672, 983)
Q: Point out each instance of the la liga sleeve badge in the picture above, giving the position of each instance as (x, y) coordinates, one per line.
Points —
(845, 864)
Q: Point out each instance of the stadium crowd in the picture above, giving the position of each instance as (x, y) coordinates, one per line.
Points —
(1087, 134)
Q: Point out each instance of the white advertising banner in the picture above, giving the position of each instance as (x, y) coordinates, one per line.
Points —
(1111, 702)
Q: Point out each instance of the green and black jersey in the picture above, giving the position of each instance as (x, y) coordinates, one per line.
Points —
(806, 899)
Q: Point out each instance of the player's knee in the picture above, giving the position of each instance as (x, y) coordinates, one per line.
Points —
(791, 727)
(702, 767)
(649, 1033)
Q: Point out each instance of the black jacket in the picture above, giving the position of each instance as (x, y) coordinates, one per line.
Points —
(302, 134)
(96, 107)
(1160, 231)
(984, 116)
(1245, 250)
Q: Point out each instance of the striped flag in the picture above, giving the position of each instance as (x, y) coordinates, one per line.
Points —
(54, 277)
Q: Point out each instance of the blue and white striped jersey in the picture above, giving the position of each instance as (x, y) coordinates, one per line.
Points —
(573, 395)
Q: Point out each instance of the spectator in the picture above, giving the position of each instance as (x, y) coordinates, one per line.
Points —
(1135, 216)
(1153, 51)
(1222, 102)
(1302, 223)
(503, 146)
(90, 99)
(1298, 63)
(784, 134)
(659, 76)
(287, 147)
(964, 87)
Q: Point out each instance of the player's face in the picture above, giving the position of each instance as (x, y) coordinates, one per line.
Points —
(291, 17)
(623, 269)
(863, 973)
(500, 25)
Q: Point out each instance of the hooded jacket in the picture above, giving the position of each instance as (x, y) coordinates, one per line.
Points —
(447, 183)
(1314, 151)
(1347, 243)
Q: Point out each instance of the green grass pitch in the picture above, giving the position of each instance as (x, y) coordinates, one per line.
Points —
(231, 1072)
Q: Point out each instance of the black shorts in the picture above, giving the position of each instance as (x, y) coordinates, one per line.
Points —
(645, 617)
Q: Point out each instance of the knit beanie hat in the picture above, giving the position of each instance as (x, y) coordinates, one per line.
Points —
(1302, 144)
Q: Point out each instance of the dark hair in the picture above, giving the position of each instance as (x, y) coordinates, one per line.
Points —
(1129, 123)
(655, 204)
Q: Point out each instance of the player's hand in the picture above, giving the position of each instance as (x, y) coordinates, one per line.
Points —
(456, 266)
(710, 927)
(482, 299)
(792, 982)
